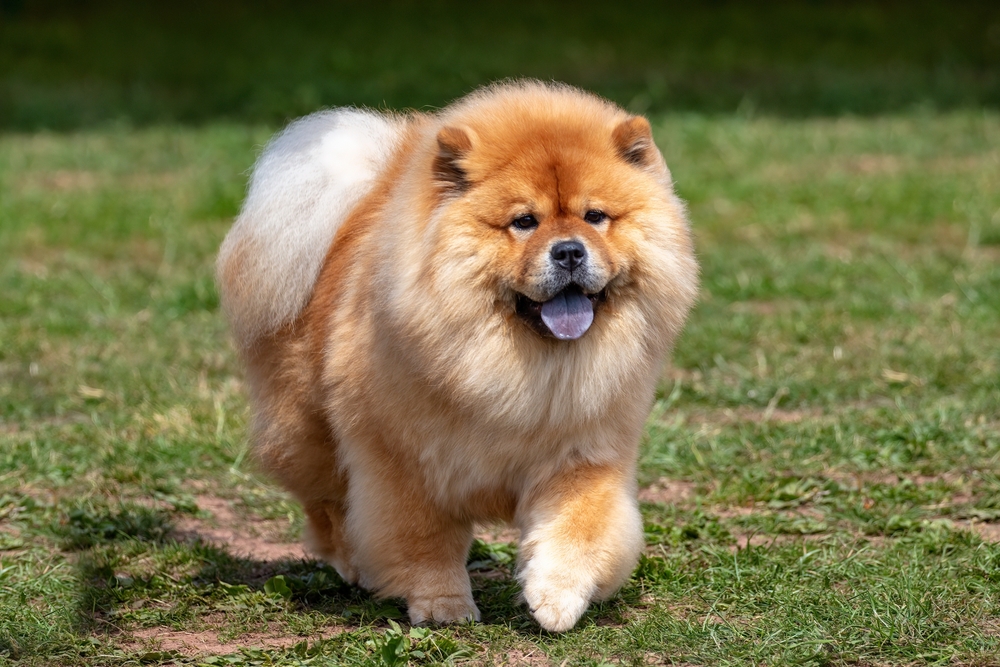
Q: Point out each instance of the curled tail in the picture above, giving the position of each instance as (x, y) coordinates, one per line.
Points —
(304, 185)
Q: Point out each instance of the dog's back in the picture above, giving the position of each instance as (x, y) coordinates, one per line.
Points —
(305, 184)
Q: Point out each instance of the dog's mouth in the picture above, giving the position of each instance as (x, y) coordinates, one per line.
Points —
(566, 316)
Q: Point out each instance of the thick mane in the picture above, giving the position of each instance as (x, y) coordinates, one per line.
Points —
(303, 186)
(530, 98)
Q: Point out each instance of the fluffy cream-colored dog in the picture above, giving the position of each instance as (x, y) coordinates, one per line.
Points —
(460, 317)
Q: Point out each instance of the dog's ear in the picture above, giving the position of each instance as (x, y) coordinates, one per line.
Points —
(454, 144)
(634, 140)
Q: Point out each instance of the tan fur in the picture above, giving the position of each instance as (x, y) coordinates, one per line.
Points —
(407, 400)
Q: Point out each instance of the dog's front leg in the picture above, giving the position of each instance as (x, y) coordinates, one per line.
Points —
(581, 536)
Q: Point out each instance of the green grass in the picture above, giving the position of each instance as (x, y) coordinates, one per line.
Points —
(833, 416)
(821, 469)
(72, 64)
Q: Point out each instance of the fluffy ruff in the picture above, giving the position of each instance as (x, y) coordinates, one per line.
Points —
(461, 317)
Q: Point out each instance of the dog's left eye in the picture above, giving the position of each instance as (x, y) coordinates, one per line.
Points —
(527, 221)
(595, 217)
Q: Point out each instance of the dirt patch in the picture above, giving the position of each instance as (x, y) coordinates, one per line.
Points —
(988, 532)
(859, 480)
(990, 627)
(519, 657)
(207, 642)
(500, 533)
(668, 492)
(983, 253)
(746, 540)
(240, 535)
(735, 511)
(745, 415)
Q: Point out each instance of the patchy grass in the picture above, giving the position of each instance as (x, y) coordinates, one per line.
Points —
(821, 468)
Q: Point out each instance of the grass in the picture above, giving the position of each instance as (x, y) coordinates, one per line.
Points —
(822, 467)
(72, 64)
(820, 472)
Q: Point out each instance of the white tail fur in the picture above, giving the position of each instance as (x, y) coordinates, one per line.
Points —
(304, 185)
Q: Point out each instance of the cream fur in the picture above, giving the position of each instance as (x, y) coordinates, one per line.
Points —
(560, 576)
(303, 186)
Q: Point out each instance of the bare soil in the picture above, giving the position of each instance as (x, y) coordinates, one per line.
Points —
(247, 536)
(207, 642)
(988, 532)
(668, 492)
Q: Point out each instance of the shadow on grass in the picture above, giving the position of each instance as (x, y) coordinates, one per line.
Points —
(128, 560)
(126, 557)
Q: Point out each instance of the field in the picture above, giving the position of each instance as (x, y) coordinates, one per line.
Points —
(820, 472)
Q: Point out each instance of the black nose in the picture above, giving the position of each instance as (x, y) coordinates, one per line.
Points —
(569, 254)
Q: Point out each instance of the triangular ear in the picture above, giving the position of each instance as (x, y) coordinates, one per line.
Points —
(454, 144)
(634, 140)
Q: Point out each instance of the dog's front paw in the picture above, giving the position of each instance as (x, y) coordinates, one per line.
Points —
(556, 598)
(555, 609)
(443, 609)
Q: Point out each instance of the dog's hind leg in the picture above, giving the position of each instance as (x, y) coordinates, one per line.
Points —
(581, 537)
(326, 537)
(405, 545)
(304, 460)
(293, 443)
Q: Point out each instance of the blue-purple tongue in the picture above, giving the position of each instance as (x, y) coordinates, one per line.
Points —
(568, 315)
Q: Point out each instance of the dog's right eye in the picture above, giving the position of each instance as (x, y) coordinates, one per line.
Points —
(525, 222)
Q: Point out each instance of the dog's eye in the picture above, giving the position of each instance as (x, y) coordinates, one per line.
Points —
(525, 222)
(595, 217)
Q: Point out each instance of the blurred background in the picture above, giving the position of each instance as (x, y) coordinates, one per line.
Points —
(66, 64)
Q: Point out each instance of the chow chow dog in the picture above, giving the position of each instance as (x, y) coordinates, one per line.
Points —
(460, 317)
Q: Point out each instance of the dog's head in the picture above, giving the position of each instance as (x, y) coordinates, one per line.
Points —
(561, 201)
